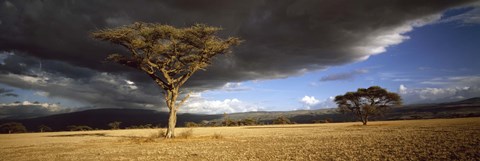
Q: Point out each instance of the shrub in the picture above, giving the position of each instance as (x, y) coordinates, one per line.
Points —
(79, 128)
(12, 127)
(249, 121)
(115, 125)
(186, 134)
(217, 136)
(44, 128)
(282, 120)
(191, 124)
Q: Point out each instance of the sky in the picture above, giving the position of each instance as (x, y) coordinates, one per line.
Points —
(296, 54)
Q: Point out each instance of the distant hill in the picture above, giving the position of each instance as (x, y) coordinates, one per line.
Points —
(475, 100)
(99, 118)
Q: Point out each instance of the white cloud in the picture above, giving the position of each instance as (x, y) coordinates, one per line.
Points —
(309, 100)
(131, 85)
(42, 93)
(451, 89)
(234, 87)
(129, 82)
(470, 17)
(39, 80)
(4, 55)
(28, 109)
(402, 89)
(378, 42)
(344, 76)
(49, 106)
(198, 104)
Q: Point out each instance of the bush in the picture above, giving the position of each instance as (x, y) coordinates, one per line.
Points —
(249, 121)
(115, 125)
(44, 128)
(327, 120)
(79, 128)
(282, 120)
(12, 127)
(146, 126)
(217, 136)
(186, 134)
(191, 124)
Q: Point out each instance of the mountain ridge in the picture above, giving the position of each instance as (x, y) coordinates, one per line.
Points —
(99, 118)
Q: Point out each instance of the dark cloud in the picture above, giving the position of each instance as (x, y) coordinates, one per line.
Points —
(27, 109)
(53, 50)
(343, 76)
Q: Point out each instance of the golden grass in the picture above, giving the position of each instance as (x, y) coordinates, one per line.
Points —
(440, 139)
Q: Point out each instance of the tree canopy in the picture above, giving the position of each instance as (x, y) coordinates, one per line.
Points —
(367, 102)
(12, 127)
(167, 54)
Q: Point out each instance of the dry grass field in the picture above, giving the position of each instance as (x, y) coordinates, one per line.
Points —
(439, 139)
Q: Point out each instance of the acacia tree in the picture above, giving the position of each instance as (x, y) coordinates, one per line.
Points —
(12, 127)
(365, 103)
(168, 55)
(115, 125)
(44, 128)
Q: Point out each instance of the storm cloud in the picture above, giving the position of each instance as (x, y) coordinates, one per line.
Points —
(53, 52)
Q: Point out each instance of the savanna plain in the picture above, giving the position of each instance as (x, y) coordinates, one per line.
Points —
(437, 139)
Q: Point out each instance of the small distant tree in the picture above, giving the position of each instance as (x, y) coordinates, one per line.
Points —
(191, 124)
(249, 121)
(79, 128)
(282, 120)
(367, 102)
(230, 122)
(168, 55)
(12, 127)
(114, 125)
(147, 126)
(44, 128)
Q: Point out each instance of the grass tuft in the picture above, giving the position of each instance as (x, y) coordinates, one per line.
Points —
(186, 134)
(218, 136)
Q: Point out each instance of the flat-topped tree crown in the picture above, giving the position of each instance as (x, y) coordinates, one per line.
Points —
(167, 54)
(367, 102)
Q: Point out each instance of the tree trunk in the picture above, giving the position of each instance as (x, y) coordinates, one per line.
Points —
(365, 120)
(172, 121)
(171, 100)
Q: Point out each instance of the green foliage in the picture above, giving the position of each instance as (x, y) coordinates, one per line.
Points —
(249, 121)
(44, 128)
(79, 128)
(327, 120)
(364, 103)
(282, 120)
(115, 125)
(12, 127)
(146, 126)
(230, 122)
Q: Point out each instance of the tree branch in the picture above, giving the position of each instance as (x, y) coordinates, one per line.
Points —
(183, 100)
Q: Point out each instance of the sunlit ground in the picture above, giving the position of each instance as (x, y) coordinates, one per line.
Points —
(439, 139)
